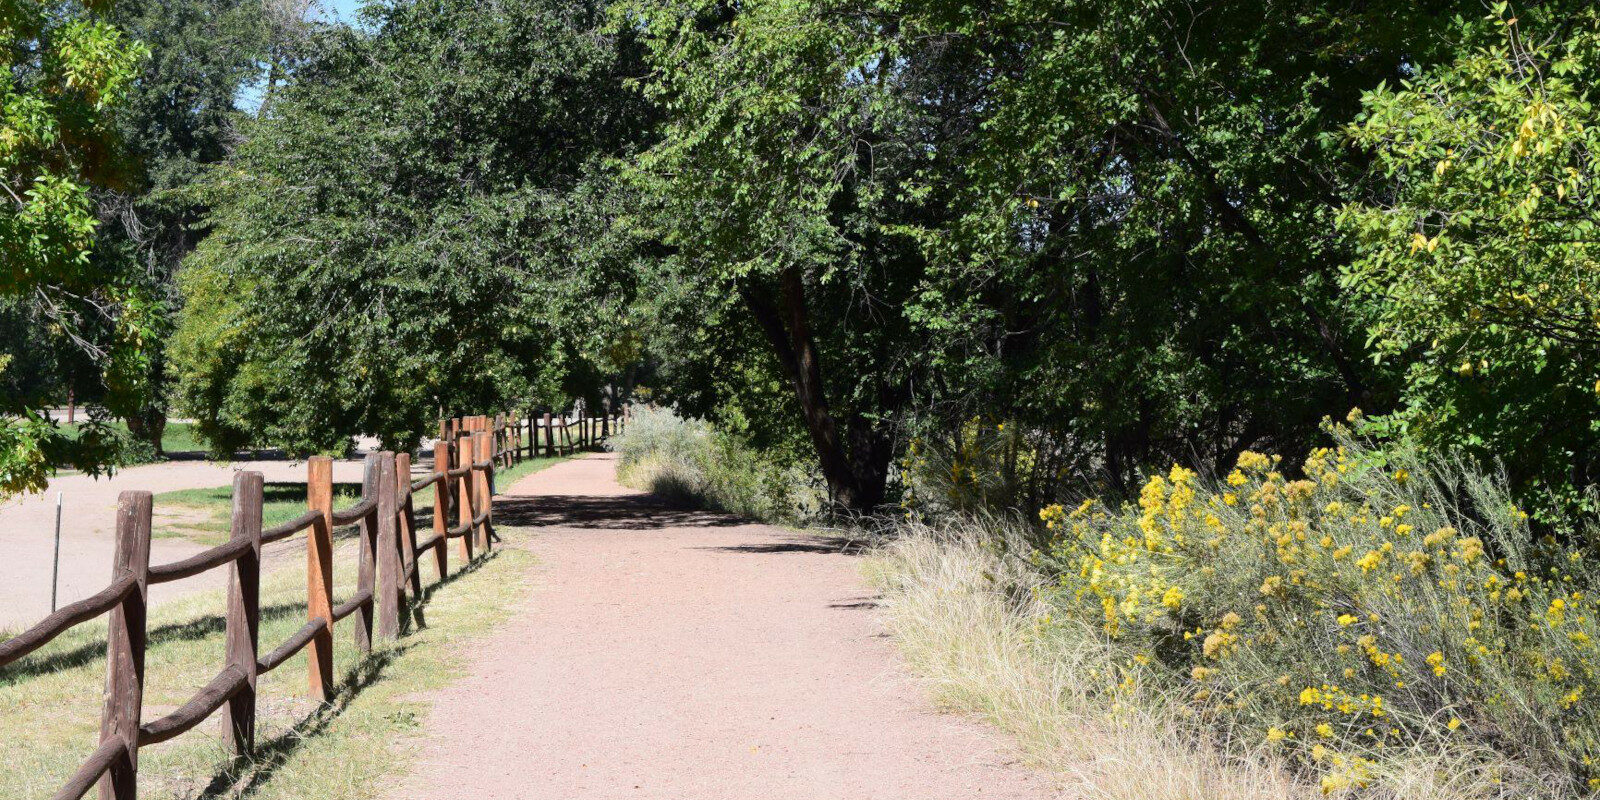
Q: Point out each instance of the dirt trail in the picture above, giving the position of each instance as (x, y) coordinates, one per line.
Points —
(88, 521)
(672, 654)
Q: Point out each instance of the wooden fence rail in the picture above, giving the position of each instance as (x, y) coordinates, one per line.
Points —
(466, 456)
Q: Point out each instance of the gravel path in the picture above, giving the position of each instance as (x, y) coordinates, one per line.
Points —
(684, 655)
(88, 523)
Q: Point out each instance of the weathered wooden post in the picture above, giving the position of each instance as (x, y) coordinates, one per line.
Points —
(244, 612)
(502, 440)
(390, 577)
(464, 501)
(441, 507)
(549, 436)
(319, 574)
(125, 641)
(407, 540)
(367, 569)
(484, 444)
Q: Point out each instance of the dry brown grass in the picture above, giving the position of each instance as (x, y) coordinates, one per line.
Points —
(968, 619)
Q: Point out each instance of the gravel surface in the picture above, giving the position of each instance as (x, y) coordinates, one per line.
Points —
(685, 655)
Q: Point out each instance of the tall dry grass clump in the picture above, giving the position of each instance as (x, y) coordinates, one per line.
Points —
(970, 615)
(1386, 625)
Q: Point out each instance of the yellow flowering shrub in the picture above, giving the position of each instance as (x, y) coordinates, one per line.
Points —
(1376, 601)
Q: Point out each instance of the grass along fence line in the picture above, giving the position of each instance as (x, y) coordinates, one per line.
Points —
(388, 572)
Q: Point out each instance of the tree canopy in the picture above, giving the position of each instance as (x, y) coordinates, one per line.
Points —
(1136, 232)
(69, 69)
(373, 259)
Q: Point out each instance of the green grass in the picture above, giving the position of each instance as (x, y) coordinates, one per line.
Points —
(177, 437)
(336, 752)
(212, 508)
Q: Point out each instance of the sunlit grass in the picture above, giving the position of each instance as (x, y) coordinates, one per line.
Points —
(345, 750)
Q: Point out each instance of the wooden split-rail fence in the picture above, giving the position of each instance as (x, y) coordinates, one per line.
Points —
(465, 457)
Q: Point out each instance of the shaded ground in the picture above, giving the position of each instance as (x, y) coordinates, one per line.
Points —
(680, 654)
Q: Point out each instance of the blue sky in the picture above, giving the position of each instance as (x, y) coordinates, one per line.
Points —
(249, 99)
(346, 9)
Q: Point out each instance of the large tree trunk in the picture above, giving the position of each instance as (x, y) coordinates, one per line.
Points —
(856, 483)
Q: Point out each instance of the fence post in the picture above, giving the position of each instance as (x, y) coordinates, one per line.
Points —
(366, 572)
(244, 612)
(488, 497)
(319, 575)
(464, 502)
(407, 520)
(125, 640)
(441, 506)
(475, 450)
(502, 451)
(390, 578)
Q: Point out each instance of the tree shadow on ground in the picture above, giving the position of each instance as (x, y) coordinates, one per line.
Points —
(817, 543)
(602, 512)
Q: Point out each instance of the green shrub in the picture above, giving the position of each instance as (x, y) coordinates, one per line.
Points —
(1386, 603)
(691, 462)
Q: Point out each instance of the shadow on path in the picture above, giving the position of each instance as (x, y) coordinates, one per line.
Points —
(603, 512)
(633, 512)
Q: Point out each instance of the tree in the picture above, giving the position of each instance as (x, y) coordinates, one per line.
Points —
(178, 117)
(1112, 223)
(69, 69)
(371, 260)
(1478, 260)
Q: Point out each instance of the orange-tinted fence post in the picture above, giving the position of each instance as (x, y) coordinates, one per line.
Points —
(244, 612)
(464, 500)
(319, 574)
(125, 641)
(389, 576)
(483, 443)
(441, 506)
(367, 570)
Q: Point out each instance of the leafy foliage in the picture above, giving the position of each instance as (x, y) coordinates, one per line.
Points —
(69, 68)
(380, 248)
(1478, 264)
